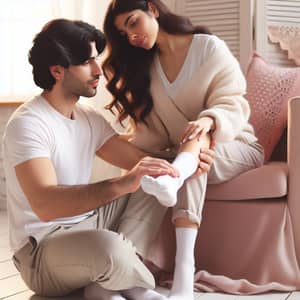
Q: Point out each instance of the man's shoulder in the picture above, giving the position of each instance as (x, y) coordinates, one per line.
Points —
(30, 107)
(25, 116)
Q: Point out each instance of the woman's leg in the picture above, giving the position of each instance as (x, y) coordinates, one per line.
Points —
(136, 217)
(231, 159)
(140, 223)
(165, 188)
(183, 280)
(94, 291)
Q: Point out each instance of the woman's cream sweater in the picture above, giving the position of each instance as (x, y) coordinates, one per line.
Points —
(215, 89)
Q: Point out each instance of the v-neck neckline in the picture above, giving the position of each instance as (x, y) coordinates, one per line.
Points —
(160, 69)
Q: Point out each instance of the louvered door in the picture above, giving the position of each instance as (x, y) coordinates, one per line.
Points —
(170, 4)
(275, 12)
(229, 19)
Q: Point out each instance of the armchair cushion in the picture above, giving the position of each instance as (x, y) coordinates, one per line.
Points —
(253, 184)
(268, 90)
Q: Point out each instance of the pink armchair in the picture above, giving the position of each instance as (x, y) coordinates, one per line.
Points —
(293, 194)
(249, 239)
(251, 226)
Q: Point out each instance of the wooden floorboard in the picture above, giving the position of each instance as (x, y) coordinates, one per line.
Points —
(29, 295)
(7, 269)
(294, 296)
(5, 254)
(269, 296)
(217, 296)
(11, 286)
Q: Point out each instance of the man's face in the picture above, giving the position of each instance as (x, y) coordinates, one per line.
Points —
(82, 80)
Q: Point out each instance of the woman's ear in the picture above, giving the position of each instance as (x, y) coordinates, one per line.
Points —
(153, 9)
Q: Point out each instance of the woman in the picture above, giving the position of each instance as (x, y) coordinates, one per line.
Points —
(180, 86)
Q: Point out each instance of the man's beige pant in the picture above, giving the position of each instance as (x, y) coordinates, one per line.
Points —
(71, 257)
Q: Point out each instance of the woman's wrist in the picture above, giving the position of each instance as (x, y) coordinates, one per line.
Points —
(212, 122)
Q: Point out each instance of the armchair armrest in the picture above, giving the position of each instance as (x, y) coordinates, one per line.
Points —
(294, 168)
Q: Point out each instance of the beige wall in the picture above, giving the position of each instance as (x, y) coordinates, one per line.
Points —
(95, 17)
(5, 112)
(100, 8)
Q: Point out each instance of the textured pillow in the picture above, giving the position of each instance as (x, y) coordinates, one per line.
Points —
(268, 90)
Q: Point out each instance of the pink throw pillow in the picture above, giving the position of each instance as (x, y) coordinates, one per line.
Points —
(268, 90)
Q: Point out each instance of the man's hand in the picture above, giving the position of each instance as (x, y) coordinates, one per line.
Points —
(148, 166)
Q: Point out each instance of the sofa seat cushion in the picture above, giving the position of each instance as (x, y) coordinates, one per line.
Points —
(253, 184)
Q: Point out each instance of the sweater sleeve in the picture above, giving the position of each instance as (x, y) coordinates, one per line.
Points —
(225, 101)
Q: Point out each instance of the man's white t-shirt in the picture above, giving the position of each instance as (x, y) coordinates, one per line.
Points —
(37, 130)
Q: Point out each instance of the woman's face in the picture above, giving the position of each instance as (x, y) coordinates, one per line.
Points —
(140, 27)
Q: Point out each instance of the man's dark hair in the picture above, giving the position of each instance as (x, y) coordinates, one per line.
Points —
(62, 42)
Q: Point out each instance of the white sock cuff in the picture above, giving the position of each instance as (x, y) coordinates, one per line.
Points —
(186, 156)
(186, 234)
(185, 241)
(186, 163)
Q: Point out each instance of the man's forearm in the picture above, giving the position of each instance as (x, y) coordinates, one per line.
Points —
(67, 201)
(49, 200)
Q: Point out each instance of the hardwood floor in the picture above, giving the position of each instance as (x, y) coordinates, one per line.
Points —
(13, 288)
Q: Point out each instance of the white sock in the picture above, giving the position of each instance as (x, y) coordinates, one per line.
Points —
(95, 292)
(183, 281)
(143, 294)
(165, 188)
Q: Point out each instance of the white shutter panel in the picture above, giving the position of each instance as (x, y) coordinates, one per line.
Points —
(170, 3)
(229, 19)
(275, 12)
(283, 12)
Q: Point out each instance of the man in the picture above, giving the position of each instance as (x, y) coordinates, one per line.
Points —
(63, 230)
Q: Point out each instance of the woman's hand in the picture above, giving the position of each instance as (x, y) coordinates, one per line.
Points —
(206, 159)
(197, 129)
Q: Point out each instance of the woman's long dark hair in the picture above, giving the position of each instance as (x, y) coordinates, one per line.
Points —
(127, 68)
